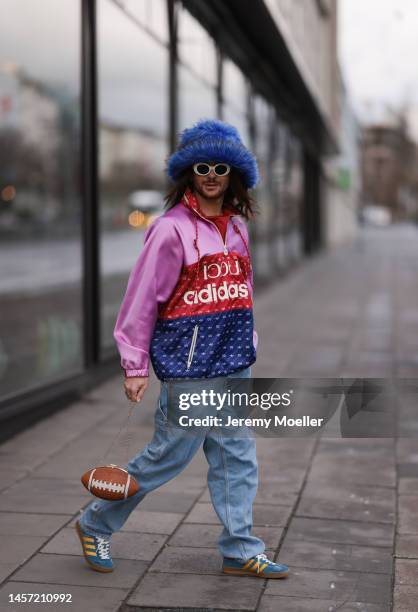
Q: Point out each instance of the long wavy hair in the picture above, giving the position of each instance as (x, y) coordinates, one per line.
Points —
(236, 195)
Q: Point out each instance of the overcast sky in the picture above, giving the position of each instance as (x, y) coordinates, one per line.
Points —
(378, 42)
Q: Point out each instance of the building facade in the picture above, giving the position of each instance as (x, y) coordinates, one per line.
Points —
(84, 128)
(389, 165)
(343, 176)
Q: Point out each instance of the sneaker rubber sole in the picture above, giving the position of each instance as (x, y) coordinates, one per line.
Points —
(240, 572)
(104, 570)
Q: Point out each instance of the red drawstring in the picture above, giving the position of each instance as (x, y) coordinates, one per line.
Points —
(238, 231)
(196, 245)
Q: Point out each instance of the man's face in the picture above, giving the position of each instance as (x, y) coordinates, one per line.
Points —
(210, 186)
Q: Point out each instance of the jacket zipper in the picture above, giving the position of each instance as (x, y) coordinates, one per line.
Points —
(192, 347)
(217, 228)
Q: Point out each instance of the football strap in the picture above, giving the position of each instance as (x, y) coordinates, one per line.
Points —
(125, 440)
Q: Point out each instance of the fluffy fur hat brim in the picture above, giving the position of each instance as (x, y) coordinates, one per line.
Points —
(207, 142)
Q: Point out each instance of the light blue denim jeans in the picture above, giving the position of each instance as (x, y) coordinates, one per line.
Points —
(232, 479)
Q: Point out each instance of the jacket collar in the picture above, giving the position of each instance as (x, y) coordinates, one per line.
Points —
(190, 201)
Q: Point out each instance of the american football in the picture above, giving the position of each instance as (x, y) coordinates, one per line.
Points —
(110, 482)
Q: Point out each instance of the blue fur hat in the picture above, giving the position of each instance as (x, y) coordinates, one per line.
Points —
(211, 139)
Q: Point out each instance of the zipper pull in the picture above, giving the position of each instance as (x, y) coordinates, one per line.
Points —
(192, 347)
(225, 250)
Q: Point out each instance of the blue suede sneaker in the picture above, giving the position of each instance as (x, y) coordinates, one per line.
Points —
(258, 566)
(96, 550)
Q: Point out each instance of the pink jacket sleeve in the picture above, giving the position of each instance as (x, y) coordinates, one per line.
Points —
(151, 282)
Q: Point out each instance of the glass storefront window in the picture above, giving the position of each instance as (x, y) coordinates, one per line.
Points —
(280, 192)
(133, 145)
(293, 197)
(261, 112)
(151, 15)
(196, 49)
(196, 99)
(234, 86)
(197, 74)
(240, 121)
(287, 175)
(40, 201)
(235, 99)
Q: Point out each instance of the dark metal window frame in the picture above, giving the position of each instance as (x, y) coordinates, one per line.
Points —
(172, 15)
(90, 187)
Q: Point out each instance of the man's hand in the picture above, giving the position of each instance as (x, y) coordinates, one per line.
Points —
(135, 387)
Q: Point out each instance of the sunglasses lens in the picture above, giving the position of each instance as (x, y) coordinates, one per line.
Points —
(221, 169)
(202, 169)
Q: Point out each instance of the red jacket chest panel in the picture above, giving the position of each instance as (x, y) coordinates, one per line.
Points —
(219, 284)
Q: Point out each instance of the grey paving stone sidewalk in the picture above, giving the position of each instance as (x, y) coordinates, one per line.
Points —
(342, 513)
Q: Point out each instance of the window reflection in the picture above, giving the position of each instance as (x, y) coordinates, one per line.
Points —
(287, 186)
(279, 193)
(197, 75)
(261, 116)
(234, 87)
(150, 14)
(235, 99)
(293, 196)
(196, 99)
(40, 263)
(133, 137)
(196, 49)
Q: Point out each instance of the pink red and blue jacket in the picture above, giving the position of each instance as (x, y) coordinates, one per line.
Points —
(188, 304)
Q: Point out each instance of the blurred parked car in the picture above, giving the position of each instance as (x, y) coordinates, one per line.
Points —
(376, 216)
(144, 206)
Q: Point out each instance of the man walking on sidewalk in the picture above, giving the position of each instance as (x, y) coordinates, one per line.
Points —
(188, 308)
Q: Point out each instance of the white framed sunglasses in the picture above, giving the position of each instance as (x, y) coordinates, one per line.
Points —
(203, 169)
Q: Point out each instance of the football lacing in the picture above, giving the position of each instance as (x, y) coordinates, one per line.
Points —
(108, 486)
